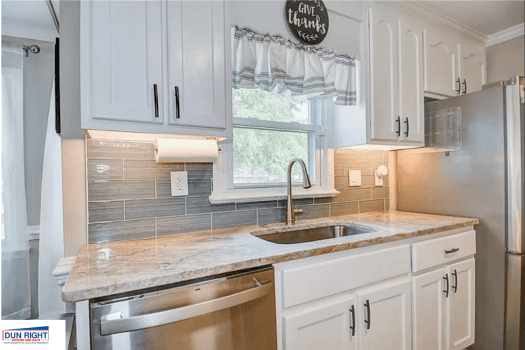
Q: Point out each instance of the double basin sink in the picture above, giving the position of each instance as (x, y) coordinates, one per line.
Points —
(295, 235)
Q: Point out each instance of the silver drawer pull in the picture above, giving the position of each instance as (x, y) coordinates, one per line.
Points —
(119, 325)
(450, 251)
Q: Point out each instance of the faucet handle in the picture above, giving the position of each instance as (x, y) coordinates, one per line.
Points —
(298, 211)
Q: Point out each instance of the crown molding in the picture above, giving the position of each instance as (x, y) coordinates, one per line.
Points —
(418, 10)
(507, 34)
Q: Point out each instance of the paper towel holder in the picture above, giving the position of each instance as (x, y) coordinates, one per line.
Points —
(219, 148)
(186, 149)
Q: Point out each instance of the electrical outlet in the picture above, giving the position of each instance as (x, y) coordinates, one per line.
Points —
(179, 183)
(354, 178)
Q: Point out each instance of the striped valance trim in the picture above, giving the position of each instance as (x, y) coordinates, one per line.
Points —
(265, 38)
(272, 62)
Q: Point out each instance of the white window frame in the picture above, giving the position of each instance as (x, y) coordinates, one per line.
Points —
(225, 191)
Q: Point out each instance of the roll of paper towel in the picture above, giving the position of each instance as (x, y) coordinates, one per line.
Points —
(186, 150)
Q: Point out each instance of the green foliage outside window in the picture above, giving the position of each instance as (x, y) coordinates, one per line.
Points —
(262, 155)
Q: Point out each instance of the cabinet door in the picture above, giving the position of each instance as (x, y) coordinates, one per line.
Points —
(196, 63)
(125, 51)
(472, 65)
(323, 326)
(440, 63)
(411, 81)
(384, 318)
(460, 305)
(383, 74)
(428, 310)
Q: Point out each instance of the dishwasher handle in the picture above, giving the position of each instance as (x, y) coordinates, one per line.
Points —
(135, 323)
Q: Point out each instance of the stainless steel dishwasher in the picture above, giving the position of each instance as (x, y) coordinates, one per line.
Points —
(222, 313)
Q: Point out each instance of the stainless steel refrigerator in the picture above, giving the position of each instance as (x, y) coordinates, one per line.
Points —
(484, 179)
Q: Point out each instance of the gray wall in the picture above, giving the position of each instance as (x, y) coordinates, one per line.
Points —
(39, 72)
(505, 60)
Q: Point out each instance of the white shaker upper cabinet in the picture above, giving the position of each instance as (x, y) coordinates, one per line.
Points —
(396, 81)
(196, 64)
(121, 62)
(472, 66)
(440, 63)
(384, 118)
(411, 82)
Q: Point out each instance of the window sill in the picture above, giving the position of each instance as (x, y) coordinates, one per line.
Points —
(258, 195)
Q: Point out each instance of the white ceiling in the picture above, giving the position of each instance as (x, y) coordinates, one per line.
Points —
(487, 17)
(28, 18)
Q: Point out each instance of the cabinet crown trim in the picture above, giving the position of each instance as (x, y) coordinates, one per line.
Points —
(441, 21)
(507, 34)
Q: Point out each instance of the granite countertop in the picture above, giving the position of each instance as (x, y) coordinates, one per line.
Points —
(110, 268)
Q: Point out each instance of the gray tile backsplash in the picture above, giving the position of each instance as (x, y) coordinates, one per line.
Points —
(129, 194)
(233, 219)
(121, 230)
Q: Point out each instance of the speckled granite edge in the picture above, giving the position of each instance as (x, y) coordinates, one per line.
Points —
(118, 267)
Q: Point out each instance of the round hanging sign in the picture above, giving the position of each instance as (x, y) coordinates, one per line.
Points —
(307, 20)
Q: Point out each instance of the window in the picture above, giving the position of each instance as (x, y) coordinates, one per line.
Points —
(269, 130)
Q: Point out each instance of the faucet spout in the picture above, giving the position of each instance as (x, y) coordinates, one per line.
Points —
(290, 211)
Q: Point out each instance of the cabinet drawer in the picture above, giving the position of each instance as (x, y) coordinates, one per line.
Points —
(310, 282)
(443, 250)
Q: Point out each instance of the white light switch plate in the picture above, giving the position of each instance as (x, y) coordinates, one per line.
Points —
(179, 183)
(354, 178)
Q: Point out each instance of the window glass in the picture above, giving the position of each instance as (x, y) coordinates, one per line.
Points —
(270, 106)
(262, 156)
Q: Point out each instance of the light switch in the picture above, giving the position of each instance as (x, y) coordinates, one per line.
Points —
(354, 178)
(179, 183)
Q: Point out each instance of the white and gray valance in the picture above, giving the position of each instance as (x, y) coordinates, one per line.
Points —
(269, 62)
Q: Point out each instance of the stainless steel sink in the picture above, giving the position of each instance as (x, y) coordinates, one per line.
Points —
(302, 235)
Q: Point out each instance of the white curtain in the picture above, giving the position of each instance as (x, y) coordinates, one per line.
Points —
(16, 299)
(51, 222)
(269, 62)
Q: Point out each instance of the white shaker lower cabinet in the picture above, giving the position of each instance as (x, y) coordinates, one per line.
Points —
(444, 298)
(384, 317)
(328, 325)
(461, 304)
(417, 294)
(429, 310)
